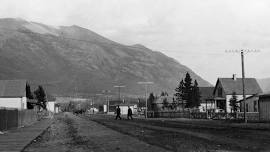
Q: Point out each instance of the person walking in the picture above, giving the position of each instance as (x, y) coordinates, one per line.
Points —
(129, 113)
(118, 113)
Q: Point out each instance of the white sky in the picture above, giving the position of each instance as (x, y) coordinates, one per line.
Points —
(194, 32)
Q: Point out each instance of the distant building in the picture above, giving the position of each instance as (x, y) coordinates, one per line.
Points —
(123, 106)
(225, 87)
(13, 94)
(207, 99)
(159, 104)
(50, 105)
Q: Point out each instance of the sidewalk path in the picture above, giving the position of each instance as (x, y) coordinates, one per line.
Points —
(15, 140)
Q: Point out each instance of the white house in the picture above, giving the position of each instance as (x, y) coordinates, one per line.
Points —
(13, 94)
(225, 87)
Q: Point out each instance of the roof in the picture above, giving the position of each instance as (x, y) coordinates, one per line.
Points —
(265, 96)
(229, 86)
(206, 93)
(12, 88)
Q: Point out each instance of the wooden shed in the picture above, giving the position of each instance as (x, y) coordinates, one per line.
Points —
(264, 107)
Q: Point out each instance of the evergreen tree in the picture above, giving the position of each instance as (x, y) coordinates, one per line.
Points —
(187, 94)
(179, 94)
(233, 102)
(29, 94)
(151, 100)
(41, 97)
(196, 97)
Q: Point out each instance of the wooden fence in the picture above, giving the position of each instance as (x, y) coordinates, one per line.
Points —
(172, 114)
(13, 118)
(202, 115)
(253, 116)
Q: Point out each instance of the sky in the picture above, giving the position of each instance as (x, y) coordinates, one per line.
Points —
(196, 33)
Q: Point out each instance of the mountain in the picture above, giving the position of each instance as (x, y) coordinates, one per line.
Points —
(264, 84)
(71, 60)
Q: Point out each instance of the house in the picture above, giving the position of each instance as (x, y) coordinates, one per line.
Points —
(258, 103)
(13, 94)
(251, 104)
(207, 99)
(225, 87)
(164, 103)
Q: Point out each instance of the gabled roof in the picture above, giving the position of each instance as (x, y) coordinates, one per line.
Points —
(206, 93)
(12, 88)
(229, 86)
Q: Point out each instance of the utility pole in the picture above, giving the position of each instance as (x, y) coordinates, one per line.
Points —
(146, 86)
(106, 92)
(243, 75)
(119, 90)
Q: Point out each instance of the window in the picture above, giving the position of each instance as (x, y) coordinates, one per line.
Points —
(219, 92)
(255, 106)
(246, 107)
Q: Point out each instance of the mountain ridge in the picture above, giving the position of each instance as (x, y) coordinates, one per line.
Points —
(74, 60)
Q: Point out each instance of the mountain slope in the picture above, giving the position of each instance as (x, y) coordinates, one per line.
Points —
(71, 59)
(265, 84)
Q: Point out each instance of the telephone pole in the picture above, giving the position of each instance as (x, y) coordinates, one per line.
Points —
(106, 92)
(146, 88)
(243, 74)
(119, 90)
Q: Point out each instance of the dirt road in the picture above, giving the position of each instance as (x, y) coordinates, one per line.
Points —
(99, 133)
(70, 133)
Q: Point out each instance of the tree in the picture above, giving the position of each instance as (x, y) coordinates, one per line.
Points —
(29, 93)
(165, 103)
(151, 100)
(196, 97)
(41, 97)
(187, 93)
(233, 102)
(179, 93)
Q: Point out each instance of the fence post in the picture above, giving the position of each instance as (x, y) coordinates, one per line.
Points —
(6, 119)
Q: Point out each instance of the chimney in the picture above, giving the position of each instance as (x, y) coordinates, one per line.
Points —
(234, 77)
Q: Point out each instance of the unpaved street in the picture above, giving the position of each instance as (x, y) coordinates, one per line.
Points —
(73, 133)
(103, 133)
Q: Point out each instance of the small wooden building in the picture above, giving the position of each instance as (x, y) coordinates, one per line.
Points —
(264, 107)
(259, 104)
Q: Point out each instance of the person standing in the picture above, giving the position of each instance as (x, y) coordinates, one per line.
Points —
(118, 113)
(129, 113)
